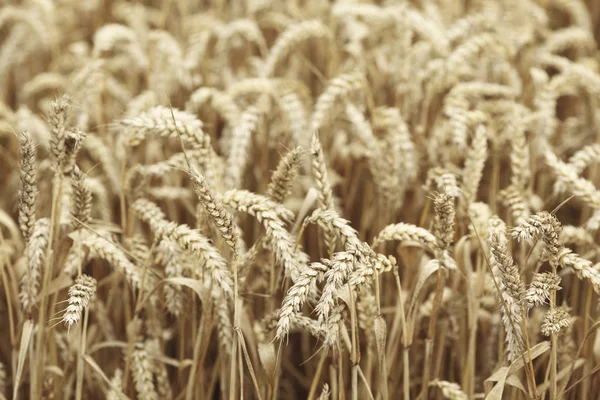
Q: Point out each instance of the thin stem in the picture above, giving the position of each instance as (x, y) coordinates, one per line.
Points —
(54, 223)
(354, 353)
(189, 390)
(234, 344)
(554, 341)
(316, 378)
(80, 369)
(405, 342)
(437, 300)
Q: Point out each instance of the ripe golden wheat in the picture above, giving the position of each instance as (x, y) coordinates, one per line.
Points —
(300, 199)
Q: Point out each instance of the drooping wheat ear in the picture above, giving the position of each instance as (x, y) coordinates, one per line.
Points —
(519, 157)
(189, 240)
(464, 58)
(548, 228)
(458, 103)
(546, 97)
(289, 40)
(366, 308)
(556, 318)
(268, 324)
(585, 157)
(319, 173)
(80, 295)
(450, 390)
(408, 234)
(330, 221)
(107, 250)
(220, 102)
(163, 387)
(514, 199)
(473, 169)
(341, 265)
(297, 295)
(251, 88)
(456, 108)
(117, 386)
(277, 190)
(166, 69)
(582, 268)
(141, 368)
(241, 141)
(214, 207)
(540, 287)
(568, 177)
(28, 189)
(362, 130)
(365, 272)
(295, 111)
(340, 87)
(81, 201)
(284, 176)
(579, 162)
(58, 123)
(424, 27)
(443, 226)
(512, 291)
(159, 121)
(272, 216)
(306, 324)
(570, 38)
(65, 204)
(333, 325)
(224, 326)
(100, 198)
(469, 25)
(30, 282)
(169, 255)
(137, 247)
(399, 157)
(150, 213)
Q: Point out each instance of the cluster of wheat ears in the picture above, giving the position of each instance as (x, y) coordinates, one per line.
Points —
(299, 200)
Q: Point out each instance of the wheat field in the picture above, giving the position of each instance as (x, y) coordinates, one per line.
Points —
(301, 199)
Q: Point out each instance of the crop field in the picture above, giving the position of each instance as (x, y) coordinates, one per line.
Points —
(299, 199)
